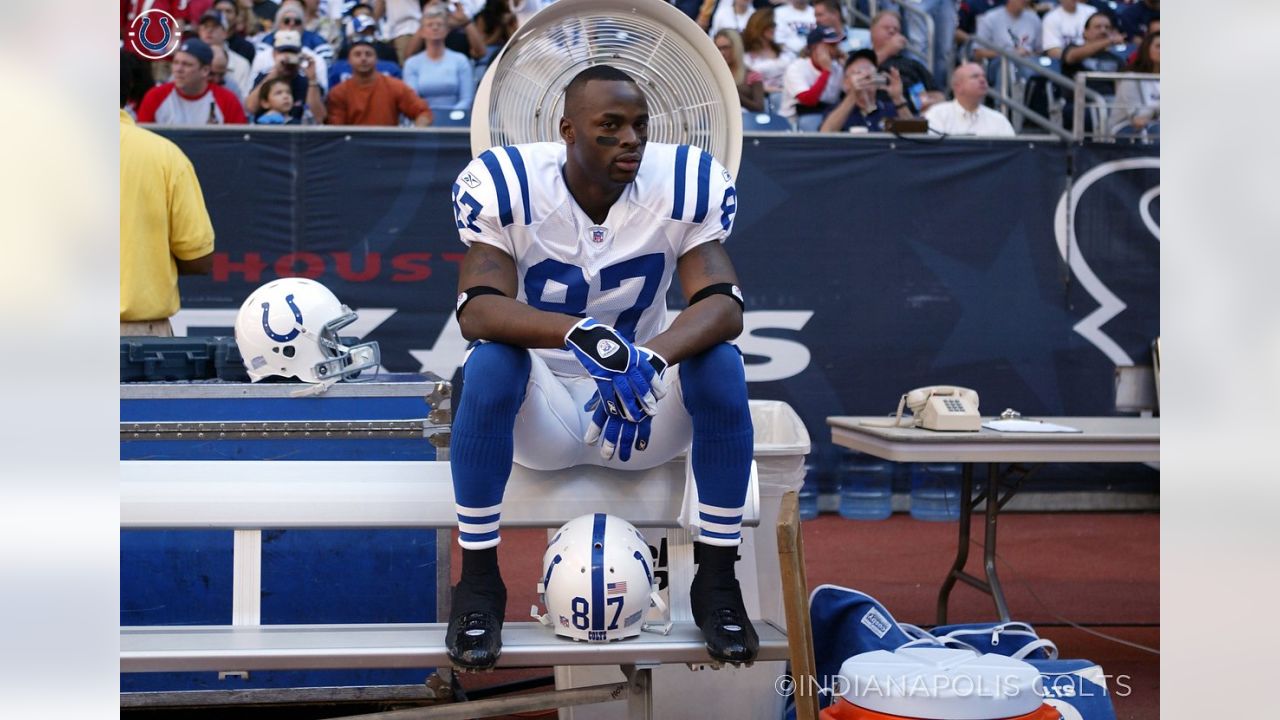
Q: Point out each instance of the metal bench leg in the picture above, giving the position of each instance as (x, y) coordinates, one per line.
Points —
(640, 694)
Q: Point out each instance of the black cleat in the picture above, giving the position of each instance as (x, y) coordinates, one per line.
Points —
(718, 610)
(474, 637)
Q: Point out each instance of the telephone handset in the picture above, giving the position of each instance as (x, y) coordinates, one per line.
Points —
(938, 407)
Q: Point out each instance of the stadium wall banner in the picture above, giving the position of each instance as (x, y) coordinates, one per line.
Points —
(1026, 270)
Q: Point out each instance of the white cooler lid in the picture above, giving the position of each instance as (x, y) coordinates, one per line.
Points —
(936, 683)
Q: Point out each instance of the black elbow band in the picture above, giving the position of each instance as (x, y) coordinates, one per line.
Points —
(729, 289)
(472, 293)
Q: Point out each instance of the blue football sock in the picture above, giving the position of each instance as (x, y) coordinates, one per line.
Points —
(482, 444)
(715, 393)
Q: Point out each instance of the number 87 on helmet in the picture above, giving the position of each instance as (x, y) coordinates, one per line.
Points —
(597, 580)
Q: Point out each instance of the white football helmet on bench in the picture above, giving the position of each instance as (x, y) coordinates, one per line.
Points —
(597, 580)
(289, 328)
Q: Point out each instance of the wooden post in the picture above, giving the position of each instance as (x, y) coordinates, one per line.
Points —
(795, 600)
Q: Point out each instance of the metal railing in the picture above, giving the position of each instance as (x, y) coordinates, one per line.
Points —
(1005, 97)
(1032, 115)
(1082, 91)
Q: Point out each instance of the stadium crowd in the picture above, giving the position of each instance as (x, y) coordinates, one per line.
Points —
(813, 63)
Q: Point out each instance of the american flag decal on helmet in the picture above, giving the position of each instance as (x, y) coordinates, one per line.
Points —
(617, 588)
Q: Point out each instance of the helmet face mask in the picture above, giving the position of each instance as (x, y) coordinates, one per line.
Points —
(597, 581)
(344, 360)
(289, 328)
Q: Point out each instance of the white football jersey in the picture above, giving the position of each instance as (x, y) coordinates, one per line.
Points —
(618, 272)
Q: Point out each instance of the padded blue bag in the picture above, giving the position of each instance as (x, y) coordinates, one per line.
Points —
(848, 622)
(1017, 640)
(1076, 688)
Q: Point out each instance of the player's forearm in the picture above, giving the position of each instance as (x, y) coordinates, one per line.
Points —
(504, 320)
(700, 327)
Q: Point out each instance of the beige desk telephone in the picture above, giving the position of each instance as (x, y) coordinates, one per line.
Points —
(938, 407)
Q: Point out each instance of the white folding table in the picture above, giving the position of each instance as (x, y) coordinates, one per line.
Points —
(1103, 439)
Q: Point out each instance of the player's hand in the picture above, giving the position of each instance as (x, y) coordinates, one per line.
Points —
(615, 433)
(615, 365)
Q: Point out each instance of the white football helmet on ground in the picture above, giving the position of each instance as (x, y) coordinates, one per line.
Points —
(289, 328)
(597, 580)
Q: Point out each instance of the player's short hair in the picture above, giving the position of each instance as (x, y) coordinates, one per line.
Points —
(595, 72)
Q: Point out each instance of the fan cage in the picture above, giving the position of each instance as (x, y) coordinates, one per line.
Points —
(685, 92)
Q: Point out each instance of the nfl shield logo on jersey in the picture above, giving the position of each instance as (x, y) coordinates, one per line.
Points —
(597, 234)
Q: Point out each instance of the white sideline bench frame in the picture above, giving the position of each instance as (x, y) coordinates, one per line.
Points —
(249, 496)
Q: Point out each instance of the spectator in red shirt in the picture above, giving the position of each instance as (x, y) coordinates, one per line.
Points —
(190, 99)
(370, 98)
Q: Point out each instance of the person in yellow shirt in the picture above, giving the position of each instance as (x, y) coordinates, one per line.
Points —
(164, 227)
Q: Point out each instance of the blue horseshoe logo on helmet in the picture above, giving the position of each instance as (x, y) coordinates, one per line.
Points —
(150, 46)
(297, 316)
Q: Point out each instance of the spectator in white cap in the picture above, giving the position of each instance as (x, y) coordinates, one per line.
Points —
(189, 98)
(292, 17)
(301, 70)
